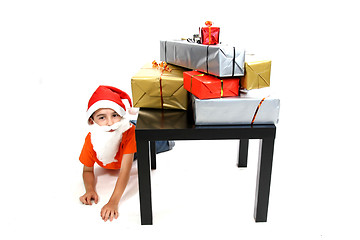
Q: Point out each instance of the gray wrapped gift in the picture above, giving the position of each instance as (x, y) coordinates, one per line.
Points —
(219, 60)
(243, 109)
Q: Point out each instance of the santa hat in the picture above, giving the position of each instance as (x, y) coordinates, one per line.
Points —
(108, 97)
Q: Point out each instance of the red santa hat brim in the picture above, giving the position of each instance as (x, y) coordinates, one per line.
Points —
(108, 97)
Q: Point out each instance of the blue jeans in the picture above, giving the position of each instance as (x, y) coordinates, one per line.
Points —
(160, 146)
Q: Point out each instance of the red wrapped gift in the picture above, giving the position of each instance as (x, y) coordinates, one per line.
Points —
(209, 35)
(206, 86)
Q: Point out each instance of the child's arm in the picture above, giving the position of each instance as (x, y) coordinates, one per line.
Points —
(110, 210)
(89, 182)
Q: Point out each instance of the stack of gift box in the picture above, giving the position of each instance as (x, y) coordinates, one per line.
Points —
(224, 88)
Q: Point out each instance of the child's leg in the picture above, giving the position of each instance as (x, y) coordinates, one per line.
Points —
(160, 146)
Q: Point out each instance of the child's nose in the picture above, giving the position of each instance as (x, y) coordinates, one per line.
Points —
(110, 122)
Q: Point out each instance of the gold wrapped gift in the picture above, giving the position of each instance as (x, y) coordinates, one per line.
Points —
(257, 75)
(163, 89)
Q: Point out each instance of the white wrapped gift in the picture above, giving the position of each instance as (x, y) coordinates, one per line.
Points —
(253, 107)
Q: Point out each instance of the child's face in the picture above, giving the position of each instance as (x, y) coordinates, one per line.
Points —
(105, 117)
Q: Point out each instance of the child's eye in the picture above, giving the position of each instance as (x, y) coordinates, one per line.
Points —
(116, 115)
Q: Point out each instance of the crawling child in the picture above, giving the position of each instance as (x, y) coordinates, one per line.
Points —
(110, 143)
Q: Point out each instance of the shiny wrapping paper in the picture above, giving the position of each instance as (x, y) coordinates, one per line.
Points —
(206, 86)
(210, 35)
(243, 109)
(219, 60)
(153, 88)
(257, 75)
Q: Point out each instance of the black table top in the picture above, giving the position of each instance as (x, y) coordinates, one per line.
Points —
(178, 119)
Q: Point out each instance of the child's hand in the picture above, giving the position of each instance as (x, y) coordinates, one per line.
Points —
(109, 211)
(87, 197)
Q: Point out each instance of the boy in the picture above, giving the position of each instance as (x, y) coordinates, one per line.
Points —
(110, 143)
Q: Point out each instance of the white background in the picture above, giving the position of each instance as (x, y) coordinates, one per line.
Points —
(53, 54)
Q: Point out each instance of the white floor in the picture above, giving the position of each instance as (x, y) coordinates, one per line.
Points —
(54, 55)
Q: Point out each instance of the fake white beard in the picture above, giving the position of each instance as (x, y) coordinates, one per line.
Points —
(106, 144)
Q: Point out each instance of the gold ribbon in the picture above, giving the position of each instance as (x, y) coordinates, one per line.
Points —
(222, 89)
(162, 66)
(209, 35)
(209, 24)
(199, 75)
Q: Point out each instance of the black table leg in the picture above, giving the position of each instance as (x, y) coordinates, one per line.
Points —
(243, 152)
(263, 179)
(144, 181)
(153, 154)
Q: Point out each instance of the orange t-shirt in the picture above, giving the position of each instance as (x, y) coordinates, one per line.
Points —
(127, 146)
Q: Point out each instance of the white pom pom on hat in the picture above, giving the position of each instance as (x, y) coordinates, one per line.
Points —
(108, 97)
(133, 111)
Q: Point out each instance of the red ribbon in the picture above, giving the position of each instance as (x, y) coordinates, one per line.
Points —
(257, 109)
(161, 93)
(162, 66)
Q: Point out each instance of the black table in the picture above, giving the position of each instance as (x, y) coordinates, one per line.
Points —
(157, 124)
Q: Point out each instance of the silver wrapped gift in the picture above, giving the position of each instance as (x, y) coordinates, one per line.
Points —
(219, 60)
(243, 109)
